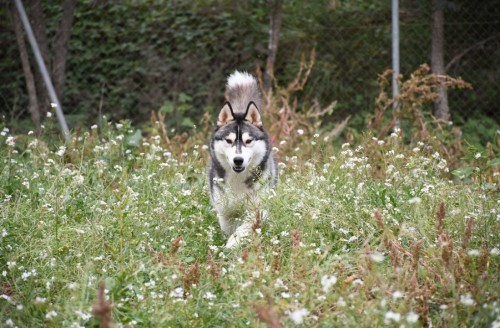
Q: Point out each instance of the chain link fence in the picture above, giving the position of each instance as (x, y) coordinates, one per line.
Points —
(359, 53)
(128, 59)
(472, 52)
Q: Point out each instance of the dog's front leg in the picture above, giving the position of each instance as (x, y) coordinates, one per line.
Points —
(241, 233)
(245, 229)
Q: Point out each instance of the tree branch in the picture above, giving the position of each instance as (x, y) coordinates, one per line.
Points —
(479, 44)
(28, 74)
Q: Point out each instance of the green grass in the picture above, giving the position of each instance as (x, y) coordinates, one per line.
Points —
(353, 238)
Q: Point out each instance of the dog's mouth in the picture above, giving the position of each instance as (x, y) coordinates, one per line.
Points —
(238, 169)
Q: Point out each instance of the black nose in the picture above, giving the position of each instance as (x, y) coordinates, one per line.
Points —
(238, 161)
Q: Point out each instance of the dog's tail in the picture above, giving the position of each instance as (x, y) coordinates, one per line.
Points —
(241, 89)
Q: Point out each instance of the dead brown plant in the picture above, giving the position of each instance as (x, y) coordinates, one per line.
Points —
(102, 308)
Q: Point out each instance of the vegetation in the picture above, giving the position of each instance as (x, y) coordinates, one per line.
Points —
(370, 225)
(116, 229)
(130, 58)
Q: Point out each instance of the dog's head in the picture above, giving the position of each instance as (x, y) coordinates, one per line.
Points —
(240, 142)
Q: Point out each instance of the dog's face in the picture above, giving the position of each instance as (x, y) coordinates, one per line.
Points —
(239, 141)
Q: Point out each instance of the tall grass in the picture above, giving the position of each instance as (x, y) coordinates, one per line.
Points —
(112, 231)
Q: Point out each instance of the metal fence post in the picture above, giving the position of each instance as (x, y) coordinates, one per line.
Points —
(395, 55)
(43, 70)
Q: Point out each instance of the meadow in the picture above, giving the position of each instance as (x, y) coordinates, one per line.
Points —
(116, 230)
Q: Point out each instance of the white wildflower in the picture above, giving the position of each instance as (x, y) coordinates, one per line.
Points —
(83, 315)
(246, 284)
(177, 293)
(352, 238)
(73, 285)
(377, 257)
(78, 179)
(394, 316)
(467, 300)
(397, 294)
(327, 282)
(10, 141)
(298, 316)
(51, 315)
(209, 296)
(6, 297)
(415, 200)
(61, 151)
(358, 282)
(412, 317)
(279, 284)
(473, 252)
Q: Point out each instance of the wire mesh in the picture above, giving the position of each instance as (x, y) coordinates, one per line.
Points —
(165, 57)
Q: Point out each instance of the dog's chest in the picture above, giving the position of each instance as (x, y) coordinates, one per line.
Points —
(237, 184)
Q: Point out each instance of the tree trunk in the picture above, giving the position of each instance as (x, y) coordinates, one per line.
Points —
(441, 109)
(61, 47)
(38, 25)
(275, 10)
(28, 74)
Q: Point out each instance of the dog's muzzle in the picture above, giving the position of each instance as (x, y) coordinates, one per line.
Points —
(238, 165)
(238, 169)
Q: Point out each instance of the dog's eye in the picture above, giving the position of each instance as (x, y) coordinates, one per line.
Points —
(229, 141)
(249, 141)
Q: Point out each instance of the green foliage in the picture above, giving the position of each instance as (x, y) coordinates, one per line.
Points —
(129, 58)
(479, 130)
(132, 57)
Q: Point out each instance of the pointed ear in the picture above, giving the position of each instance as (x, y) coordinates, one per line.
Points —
(252, 115)
(225, 115)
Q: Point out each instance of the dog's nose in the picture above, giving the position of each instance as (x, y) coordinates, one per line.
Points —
(238, 161)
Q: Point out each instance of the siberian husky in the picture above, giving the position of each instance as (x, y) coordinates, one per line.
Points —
(242, 162)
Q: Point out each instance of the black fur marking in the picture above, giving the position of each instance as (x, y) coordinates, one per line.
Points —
(230, 107)
(216, 171)
(256, 175)
(248, 107)
(216, 168)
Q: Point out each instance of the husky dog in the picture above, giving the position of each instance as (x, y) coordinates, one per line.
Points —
(241, 158)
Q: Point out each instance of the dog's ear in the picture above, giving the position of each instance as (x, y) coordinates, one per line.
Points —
(253, 115)
(225, 115)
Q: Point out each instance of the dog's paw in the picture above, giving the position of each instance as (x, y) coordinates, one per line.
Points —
(239, 235)
(232, 242)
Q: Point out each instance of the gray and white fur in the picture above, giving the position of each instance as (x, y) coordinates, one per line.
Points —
(242, 162)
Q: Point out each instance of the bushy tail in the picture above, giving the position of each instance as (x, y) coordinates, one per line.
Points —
(241, 89)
